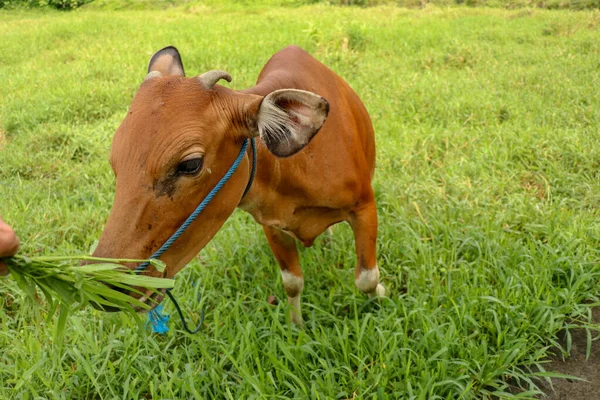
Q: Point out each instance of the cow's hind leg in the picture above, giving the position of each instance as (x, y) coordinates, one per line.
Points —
(364, 225)
(286, 253)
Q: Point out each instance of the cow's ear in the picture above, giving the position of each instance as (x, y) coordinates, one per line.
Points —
(288, 119)
(167, 62)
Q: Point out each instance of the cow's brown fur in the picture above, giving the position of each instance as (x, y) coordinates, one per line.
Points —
(300, 196)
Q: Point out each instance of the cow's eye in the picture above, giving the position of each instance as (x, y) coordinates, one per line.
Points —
(189, 167)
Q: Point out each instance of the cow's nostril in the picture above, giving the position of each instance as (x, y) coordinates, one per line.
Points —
(98, 306)
(103, 307)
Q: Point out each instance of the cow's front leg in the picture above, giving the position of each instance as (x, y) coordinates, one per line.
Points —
(286, 253)
(364, 225)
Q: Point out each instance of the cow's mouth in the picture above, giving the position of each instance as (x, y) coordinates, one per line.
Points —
(152, 300)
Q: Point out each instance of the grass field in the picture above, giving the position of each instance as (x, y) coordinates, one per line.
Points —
(487, 185)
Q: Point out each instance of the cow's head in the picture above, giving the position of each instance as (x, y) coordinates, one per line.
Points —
(179, 138)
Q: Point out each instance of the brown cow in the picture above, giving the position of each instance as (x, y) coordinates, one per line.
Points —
(181, 135)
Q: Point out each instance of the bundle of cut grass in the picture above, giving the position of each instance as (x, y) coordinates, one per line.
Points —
(65, 283)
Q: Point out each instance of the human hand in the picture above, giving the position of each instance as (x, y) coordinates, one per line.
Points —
(9, 244)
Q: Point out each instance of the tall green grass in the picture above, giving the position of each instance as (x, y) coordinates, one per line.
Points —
(486, 180)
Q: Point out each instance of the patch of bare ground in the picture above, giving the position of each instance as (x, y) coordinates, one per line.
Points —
(575, 365)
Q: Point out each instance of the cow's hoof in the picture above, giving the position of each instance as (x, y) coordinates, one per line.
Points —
(296, 319)
(378, 292)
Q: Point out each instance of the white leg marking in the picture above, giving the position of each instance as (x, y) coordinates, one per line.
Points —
(368, 282)
(293, 286)
(295, 312)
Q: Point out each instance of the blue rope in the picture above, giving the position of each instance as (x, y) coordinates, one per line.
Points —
(198, 209)
(155, 317)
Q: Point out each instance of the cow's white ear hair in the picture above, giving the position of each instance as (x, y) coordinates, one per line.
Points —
(289, 118)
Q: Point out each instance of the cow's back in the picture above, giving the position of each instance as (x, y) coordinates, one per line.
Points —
(334, 170)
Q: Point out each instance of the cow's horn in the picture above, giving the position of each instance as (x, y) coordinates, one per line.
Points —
(210, 78)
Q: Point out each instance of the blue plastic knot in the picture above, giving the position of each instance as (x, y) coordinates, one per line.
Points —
(158, 320)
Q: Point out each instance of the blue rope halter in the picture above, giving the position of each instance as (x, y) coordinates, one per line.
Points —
(155, 317)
